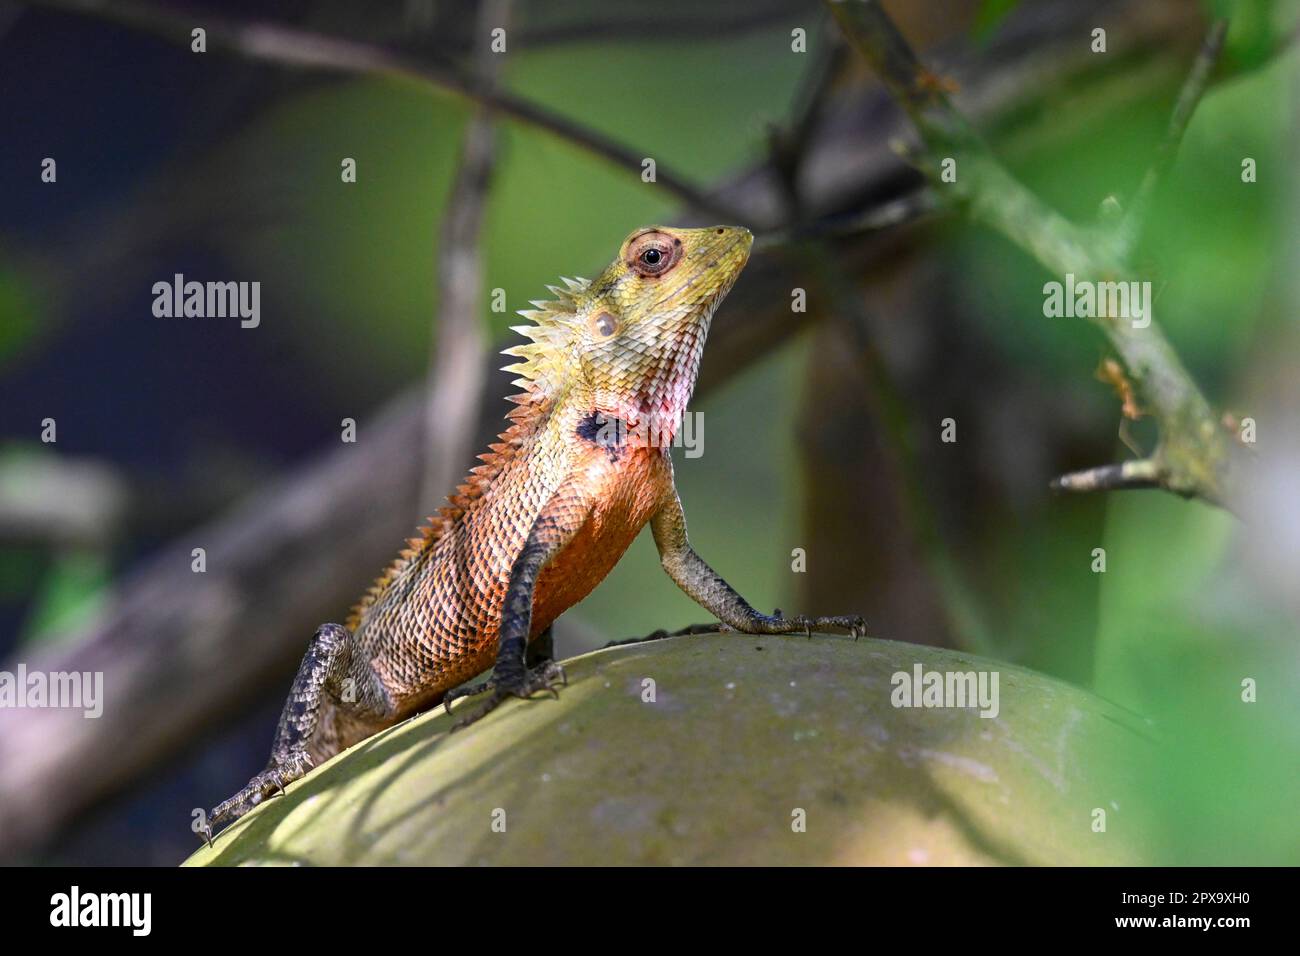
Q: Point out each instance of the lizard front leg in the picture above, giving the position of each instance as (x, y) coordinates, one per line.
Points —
(707, 588)
(562, 516)
(541, 651)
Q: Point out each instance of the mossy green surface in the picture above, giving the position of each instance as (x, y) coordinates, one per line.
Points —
(743, 734)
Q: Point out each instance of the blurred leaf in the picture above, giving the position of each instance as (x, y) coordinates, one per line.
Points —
(1256, 28)
(1176, 639)
(73, 590)
(1214, 238)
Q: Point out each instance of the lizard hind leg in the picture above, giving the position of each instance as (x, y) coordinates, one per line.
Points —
(320, 679)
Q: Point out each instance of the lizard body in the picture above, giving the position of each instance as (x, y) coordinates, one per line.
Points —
(583, 466)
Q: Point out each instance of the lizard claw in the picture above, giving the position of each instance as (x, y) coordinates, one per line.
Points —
(275, 779)
(269, 783)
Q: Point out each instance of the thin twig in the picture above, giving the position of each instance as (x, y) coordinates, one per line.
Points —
(1198, 79)
(456, 374)
(910, 208)
(292, 46)
(628, 24)
(788, 145)
(1143, 473)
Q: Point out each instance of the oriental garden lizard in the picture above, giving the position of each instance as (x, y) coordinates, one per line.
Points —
(584, 464)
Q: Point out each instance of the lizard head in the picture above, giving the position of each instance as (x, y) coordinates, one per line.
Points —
(627, 344)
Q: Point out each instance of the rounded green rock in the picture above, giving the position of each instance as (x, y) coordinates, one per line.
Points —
(729, 749)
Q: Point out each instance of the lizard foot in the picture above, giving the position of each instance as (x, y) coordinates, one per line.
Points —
(800, 624)
(271, 781)
(545, 677)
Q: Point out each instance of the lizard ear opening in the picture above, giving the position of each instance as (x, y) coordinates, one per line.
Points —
(602, 325)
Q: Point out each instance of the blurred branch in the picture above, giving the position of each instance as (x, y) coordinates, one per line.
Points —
(630, 25)
(1195, 457)
(554, 24)
(456, 373)
(1130, 227)
(788, 145)
(1143, 473)
(913, 207)
(292, 46)
(828, 476)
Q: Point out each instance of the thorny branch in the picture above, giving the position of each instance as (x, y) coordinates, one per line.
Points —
(1195, 456)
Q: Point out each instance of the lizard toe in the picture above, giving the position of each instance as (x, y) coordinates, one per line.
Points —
(269, 783)
(546, 677)
(466, 690)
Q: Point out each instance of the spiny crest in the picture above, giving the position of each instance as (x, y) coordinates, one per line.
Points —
(541, 368)
(545, 359)
(529, 409)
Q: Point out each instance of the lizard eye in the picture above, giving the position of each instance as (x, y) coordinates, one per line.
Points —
(652, 254)
(604, 325)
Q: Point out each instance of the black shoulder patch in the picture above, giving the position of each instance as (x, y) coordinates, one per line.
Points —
(603, 430)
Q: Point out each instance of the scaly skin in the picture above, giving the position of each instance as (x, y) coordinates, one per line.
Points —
(583, 466)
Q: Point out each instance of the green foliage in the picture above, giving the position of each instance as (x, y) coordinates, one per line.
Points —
(71, 592)
(1180, 630)
(990, 15)
(1256, 28)
(68, 585)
